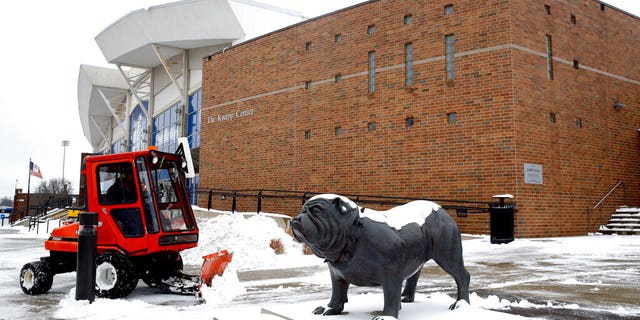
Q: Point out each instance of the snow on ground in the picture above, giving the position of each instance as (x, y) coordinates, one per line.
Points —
(26, 233)
(596, 275)
(360, 307)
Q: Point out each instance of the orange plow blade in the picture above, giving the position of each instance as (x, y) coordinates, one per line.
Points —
(214, 265)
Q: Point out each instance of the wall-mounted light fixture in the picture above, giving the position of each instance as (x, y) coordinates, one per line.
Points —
(618, 105)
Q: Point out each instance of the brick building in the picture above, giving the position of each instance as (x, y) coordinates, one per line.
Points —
(437, 99)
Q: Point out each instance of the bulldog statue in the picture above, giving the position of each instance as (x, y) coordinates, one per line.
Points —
(365, 247)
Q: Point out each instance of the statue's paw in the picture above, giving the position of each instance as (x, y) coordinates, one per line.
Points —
(332, 312)
(327, 311)
(384, 318)
(408, 299)
(458, 304)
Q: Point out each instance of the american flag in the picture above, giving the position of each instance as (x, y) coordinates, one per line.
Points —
(34, 170)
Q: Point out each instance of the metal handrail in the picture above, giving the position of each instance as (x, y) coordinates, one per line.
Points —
(468, 206)
(609, 193)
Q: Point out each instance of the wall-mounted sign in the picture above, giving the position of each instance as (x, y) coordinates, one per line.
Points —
(532, 173)
(230, 116)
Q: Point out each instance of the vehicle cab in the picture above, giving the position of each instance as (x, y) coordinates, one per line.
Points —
(141, 201)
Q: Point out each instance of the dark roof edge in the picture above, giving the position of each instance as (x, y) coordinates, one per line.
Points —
(291, 27)
(618, 9)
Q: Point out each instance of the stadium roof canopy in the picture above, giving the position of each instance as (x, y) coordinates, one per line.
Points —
(182, 25)
(102, 94)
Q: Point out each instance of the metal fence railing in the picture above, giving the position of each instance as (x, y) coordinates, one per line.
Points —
(462, 207)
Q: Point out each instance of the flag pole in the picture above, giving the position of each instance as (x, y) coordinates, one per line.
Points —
(29, 186)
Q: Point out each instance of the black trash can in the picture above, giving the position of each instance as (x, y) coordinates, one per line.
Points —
(502, 220)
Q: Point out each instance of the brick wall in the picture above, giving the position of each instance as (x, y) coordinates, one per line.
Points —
(272, 107)
(590, 146)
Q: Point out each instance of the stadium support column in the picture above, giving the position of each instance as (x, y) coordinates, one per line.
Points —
(114, 103)
(174, 74)
(140, 83)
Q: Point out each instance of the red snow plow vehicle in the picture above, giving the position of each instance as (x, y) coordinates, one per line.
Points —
(144, 222)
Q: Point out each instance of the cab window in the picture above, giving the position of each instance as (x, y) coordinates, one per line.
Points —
(169, 197)
(116, 184)
(147, 196)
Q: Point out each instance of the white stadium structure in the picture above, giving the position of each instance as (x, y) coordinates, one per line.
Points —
(153, 93)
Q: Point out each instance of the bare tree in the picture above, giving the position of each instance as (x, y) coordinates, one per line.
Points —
(55, 187)
(6, 201)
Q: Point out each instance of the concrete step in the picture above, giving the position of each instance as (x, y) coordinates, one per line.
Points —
(625, 216)
(626, 221)
(623, 225)
(58, 214)
(620, 228)
(620, 231)
(625, 209)
(54, 214)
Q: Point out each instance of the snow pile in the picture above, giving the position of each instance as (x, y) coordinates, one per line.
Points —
(495, 303)
(248, 239)
(223, 288)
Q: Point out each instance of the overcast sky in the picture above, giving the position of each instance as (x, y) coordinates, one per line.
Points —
(44, 43)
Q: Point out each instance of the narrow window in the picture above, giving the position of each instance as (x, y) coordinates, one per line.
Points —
(307, 46)
(371, 30)
(547, 9)
(409, 122)
(450, 55)
(448, 9)
(338, 78)
(552, 117)
(602, 7)
(452, 118)
(338, 38)
(408, 64)
(549, 57)
(573, 18)
(408, 19)
(578, 123)
(338, 131)
(307, 85)
(371, 126)
(307, 134)
(372, 71)
(576, 64)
